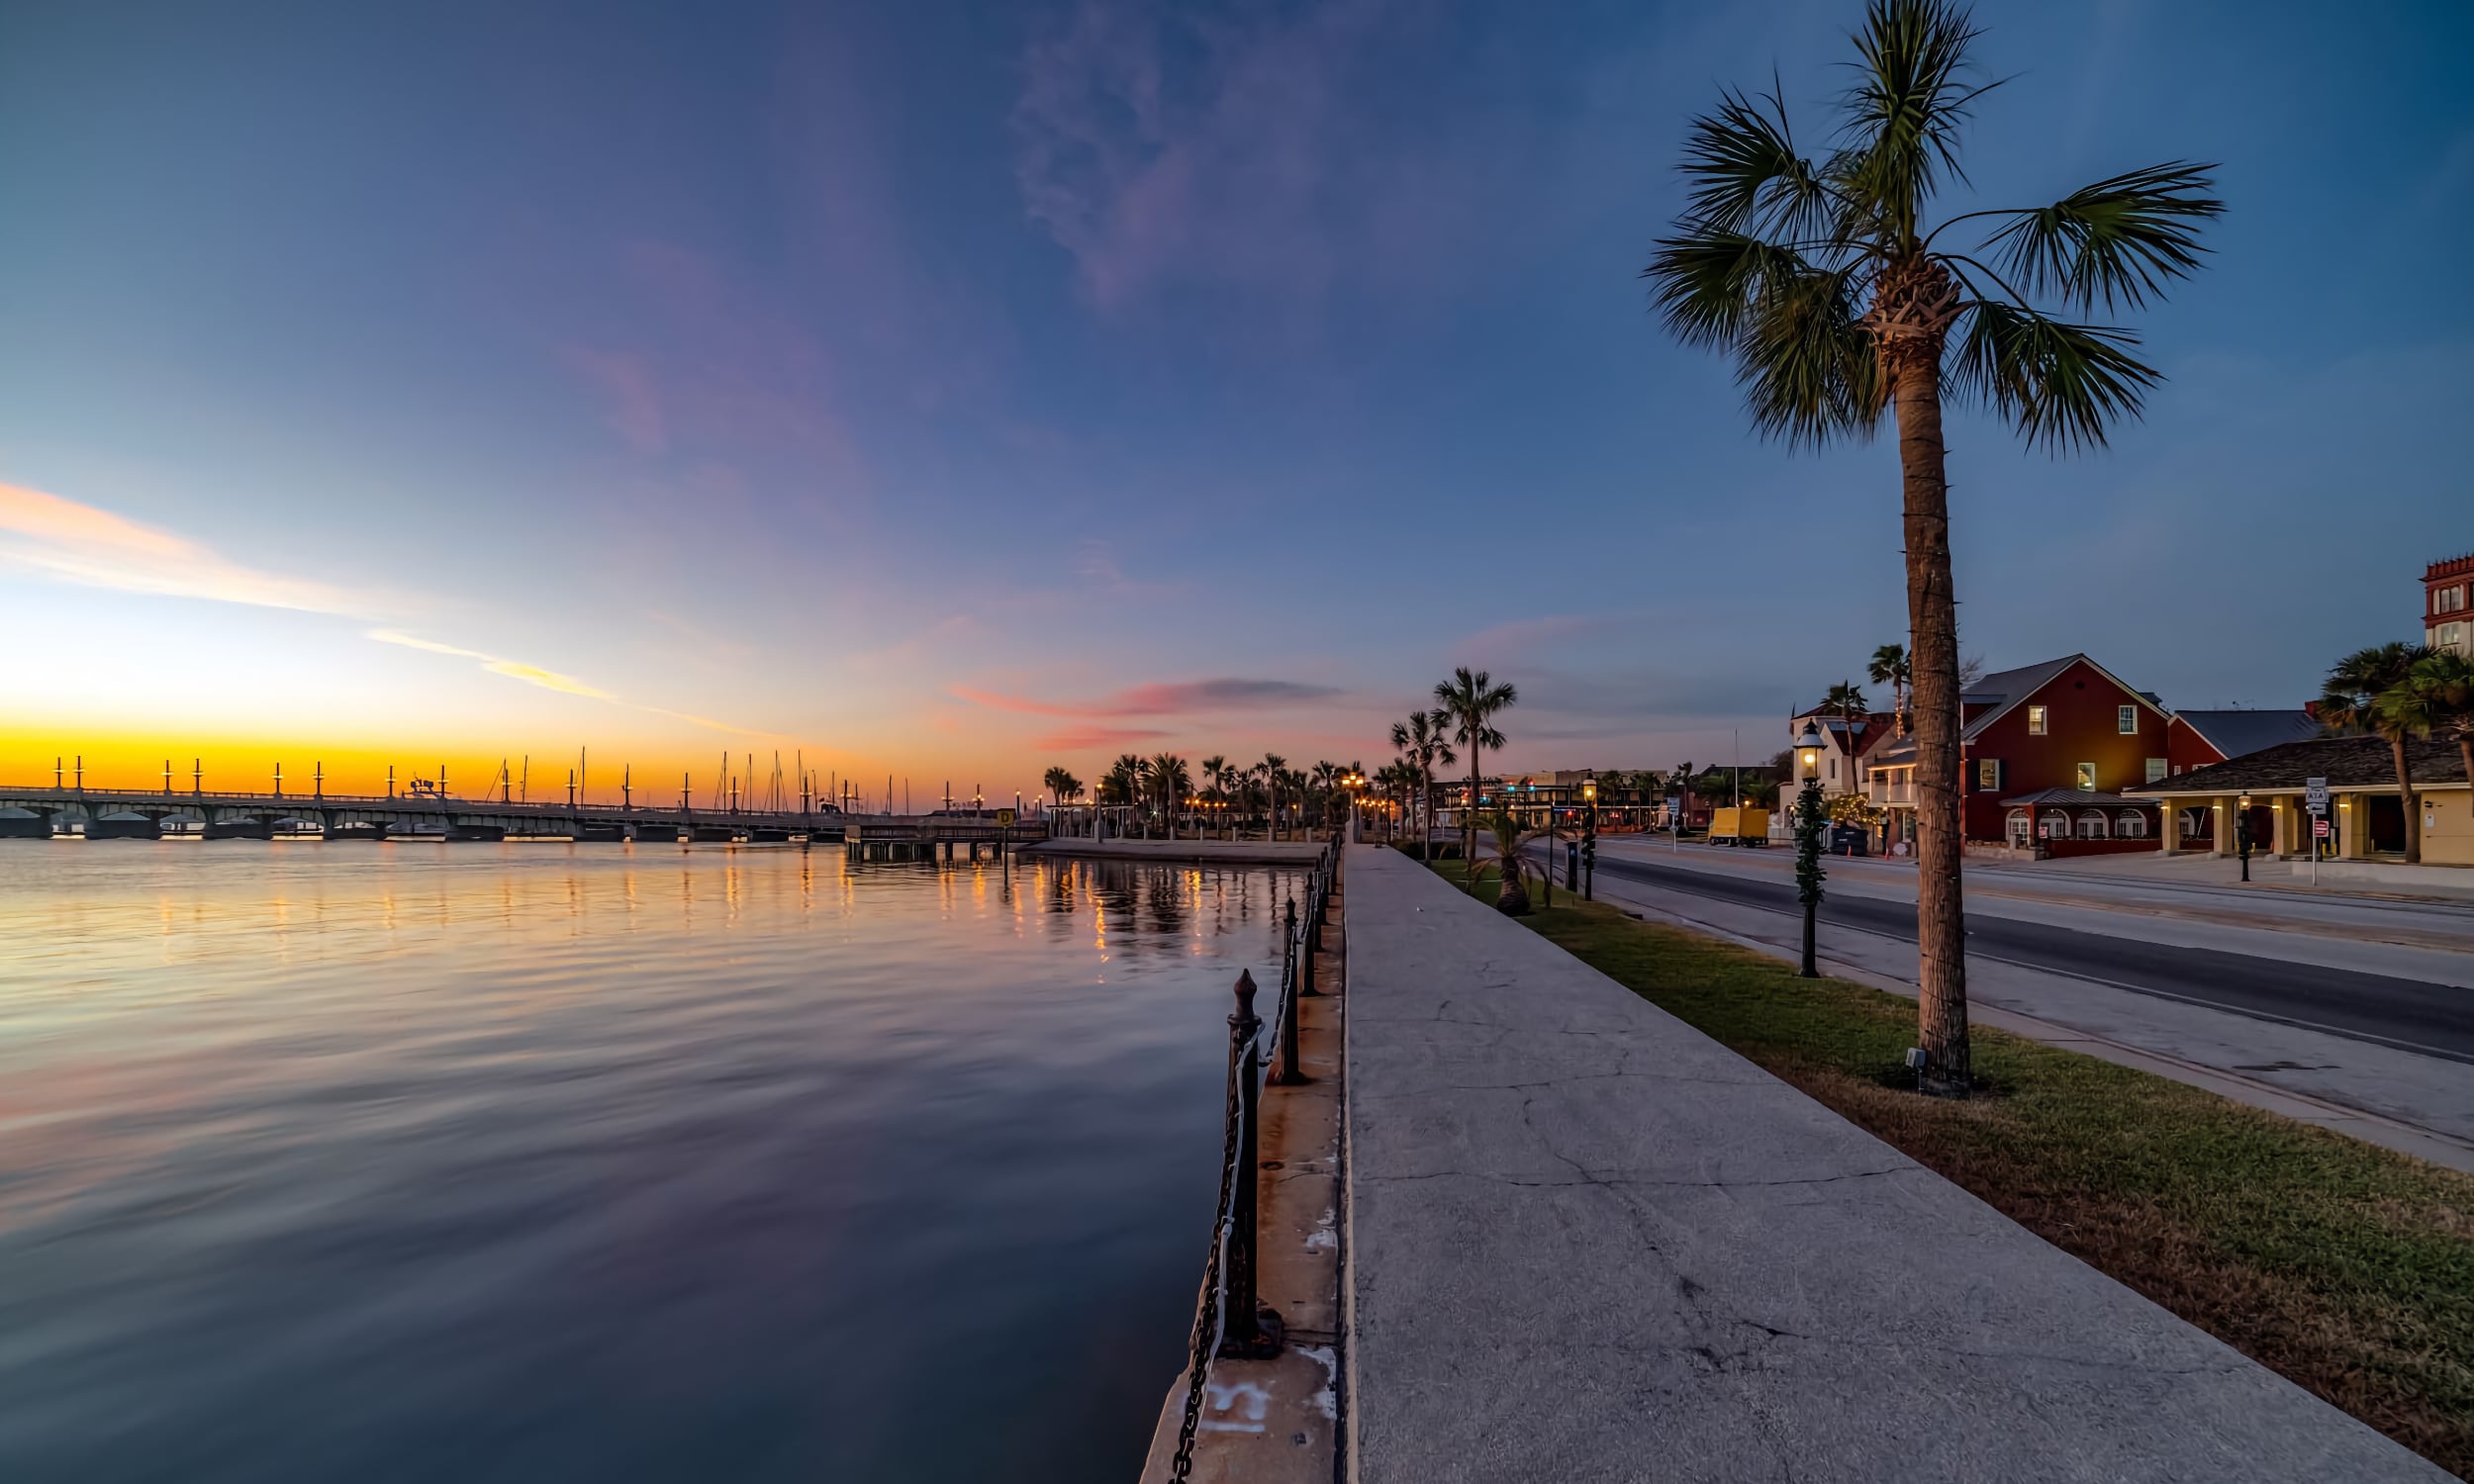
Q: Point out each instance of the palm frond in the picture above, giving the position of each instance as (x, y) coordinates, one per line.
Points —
(2117, 239)
(1806, 360)
(1746, 175)
(1706, 284)
(2060, 384)
(1903, 113)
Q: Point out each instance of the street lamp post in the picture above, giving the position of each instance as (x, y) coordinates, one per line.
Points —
(2241, 835)
(1808, 820)
(1589, 836)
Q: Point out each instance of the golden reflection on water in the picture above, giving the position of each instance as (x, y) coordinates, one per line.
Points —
(497, 1074)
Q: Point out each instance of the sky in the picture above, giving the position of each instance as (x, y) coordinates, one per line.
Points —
(940, 391)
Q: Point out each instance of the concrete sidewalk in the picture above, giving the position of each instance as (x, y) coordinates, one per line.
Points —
(1587, 1243)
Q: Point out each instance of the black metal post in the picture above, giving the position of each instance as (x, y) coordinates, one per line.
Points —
(2241, 839)
(1251, 1327)
(1300, 953)
(1589, 857)
(1289, 988)
(1808, 871)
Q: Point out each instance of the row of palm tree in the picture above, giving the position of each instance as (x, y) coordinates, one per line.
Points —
(1841, 304)
(1160, 787)
(2401, 692)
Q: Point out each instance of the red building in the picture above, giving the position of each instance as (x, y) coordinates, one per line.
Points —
(2047, 749)
(2448, 604)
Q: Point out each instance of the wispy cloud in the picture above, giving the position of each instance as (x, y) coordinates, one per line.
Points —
(86, 544)
(1093, 738)
(94, 547)
(1161, 145)
(551, 679)
(1163, 698)
(531, 674)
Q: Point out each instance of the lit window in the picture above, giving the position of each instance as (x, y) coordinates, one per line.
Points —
(2035, 722)
(2126, 720)
(1989, 774)
(2087, 778)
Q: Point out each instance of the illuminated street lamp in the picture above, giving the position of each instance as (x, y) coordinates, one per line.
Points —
(2241, 833)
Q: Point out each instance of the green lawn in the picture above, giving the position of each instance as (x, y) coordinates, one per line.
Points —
(2344, 1266)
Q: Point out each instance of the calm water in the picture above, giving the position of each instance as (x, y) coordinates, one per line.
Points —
(543, 1161)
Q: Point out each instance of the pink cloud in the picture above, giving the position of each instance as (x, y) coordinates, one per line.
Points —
(1092, 738)
(1231, 171)
(711, 365)
(634, 410)
(1163, 698)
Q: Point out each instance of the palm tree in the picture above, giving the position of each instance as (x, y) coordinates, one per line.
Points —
(1469, 701)
(1169, 784)
(1422, 743)
(1056, 780)
(1840, 306)
(1125, 776)
(1850, 706)
(1275, 773)
(1215, 771)
(1511, 835)
(2443, 682)
(2357, 698)
(1326, 784)
(1889, 668)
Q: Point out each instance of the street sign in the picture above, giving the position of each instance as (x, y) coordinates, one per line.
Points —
(2315, 794)
(2319, 829)
(1004, 818)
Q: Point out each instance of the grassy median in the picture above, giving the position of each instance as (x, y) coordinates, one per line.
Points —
(2343, 1266)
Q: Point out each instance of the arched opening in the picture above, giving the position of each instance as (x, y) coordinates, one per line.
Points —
(2092, 825)
(2129, 825)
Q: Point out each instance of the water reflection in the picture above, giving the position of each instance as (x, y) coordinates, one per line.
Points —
(531, 1161)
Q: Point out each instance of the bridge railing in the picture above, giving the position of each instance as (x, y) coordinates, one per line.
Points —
(410, 802)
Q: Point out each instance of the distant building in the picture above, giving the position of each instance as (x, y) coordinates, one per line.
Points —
(2446, 623)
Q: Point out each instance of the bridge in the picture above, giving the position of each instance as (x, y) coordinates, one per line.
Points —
(150, 813)
(41, 814)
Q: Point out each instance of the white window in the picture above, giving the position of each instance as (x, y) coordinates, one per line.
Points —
(2035, 722)
(2156, 769)
(2130, 824)
(2021, 831)
(2126, 720)
(2091, 826)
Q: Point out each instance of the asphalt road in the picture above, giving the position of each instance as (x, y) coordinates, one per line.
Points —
(2432, 1019)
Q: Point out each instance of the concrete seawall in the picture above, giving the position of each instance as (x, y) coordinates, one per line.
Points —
(1587, 1243)
(1190, 852)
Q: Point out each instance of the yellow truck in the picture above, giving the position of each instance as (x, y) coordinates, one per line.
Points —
(1745, 826)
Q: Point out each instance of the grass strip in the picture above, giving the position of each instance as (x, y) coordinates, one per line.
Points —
(2347, 1267)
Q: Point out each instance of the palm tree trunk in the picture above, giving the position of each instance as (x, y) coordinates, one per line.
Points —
(1933, 620)
(2405, 796)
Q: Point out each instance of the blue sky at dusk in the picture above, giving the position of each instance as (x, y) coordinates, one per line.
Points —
(950, 390)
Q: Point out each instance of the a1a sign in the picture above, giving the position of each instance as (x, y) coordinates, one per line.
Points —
(2314, 795)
